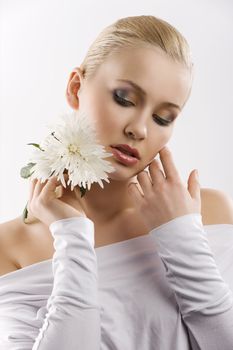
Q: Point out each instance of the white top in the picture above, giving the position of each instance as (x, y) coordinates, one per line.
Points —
(168, 290)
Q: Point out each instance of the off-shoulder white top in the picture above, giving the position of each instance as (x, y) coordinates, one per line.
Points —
(168, 290)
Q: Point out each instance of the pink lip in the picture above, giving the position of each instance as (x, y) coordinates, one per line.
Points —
(123, 157)
(127, 148)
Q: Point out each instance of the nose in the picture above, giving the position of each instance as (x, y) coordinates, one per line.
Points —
(137, 128)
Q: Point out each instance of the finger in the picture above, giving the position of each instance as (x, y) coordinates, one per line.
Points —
(145, 182)
(50, 187)
(32, 188)
(64, 180)
(133, 190)
(39, 186)
(156, 172)
(169, 167)
(194, 186)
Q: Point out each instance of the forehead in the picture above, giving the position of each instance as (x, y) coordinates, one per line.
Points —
(157, 74)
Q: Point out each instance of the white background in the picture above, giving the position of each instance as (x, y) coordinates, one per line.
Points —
(43, 40)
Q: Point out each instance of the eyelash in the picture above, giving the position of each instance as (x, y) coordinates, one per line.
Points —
(121, 101)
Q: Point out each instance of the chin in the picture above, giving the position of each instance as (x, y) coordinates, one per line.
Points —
(118, 177)
(125, 174)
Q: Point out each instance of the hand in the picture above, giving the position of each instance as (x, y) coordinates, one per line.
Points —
(165, 197)
(44, 205)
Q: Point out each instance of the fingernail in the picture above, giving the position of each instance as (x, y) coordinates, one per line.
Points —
(197, 174)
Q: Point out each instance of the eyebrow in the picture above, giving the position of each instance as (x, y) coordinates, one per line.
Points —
(142, 92)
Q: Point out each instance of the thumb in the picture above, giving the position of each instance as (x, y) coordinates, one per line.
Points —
(194, 185)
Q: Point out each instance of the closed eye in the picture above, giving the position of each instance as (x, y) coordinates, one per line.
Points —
(122, 101)
(126, 103)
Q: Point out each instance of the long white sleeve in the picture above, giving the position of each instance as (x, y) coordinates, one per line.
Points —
(204, 299)
(72, 320)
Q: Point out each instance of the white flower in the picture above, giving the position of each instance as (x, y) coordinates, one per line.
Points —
(72, 146)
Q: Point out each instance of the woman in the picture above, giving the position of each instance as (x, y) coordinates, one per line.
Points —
(128, 266)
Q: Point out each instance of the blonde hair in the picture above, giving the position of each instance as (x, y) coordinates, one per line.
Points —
(136, 31)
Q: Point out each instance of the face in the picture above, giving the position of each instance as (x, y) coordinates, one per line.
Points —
(134, 98)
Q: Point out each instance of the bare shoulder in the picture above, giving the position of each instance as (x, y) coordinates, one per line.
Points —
(216, 207)
(8, 241)
(19, 244)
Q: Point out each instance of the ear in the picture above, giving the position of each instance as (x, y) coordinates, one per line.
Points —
(74, 84)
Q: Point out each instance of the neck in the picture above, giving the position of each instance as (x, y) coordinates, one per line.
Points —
(105, 204)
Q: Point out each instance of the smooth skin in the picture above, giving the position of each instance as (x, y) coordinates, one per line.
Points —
(44, 204)
(161, 195)
(120, 211)
(135, 124)
(165, 196)
(160, 192)
(168, 197)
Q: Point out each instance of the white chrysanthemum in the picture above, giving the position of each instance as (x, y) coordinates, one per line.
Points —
(72, 146)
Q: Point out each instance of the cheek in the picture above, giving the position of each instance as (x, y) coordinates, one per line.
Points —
(107, 117)
(157, 139)
(104, 118)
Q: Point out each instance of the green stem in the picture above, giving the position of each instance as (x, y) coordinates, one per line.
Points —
(25, 213)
